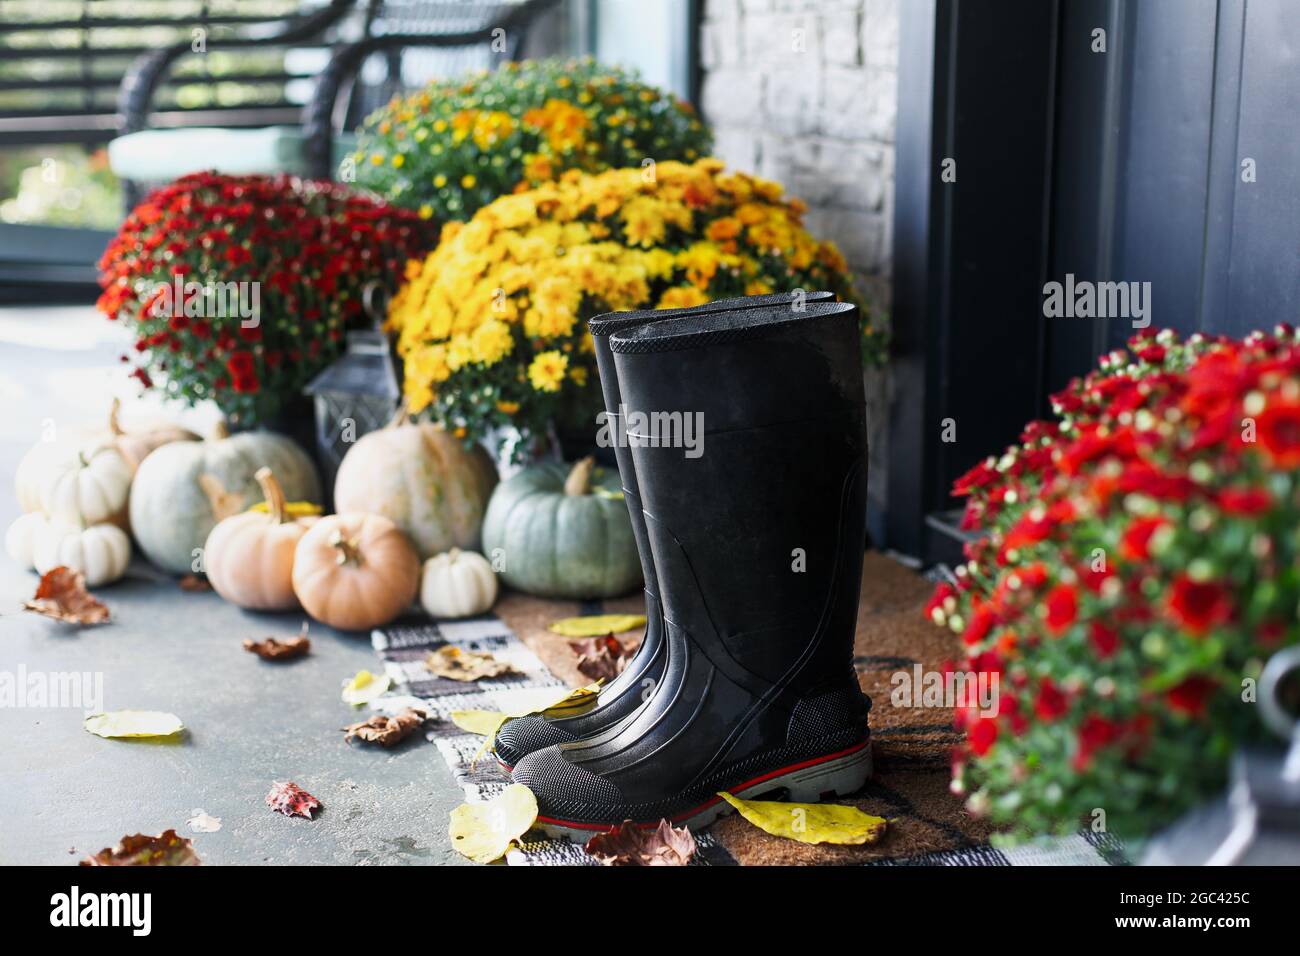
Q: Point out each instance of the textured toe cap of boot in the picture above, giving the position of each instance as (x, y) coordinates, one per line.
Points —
(521, 736)
(563, 787)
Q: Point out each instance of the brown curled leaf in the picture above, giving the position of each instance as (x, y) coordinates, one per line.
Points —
(456, 663)
(165, 849)
(62, 596)
(601, 658)
(630, 845)
(194, 584)
(273, 649)
(387, 730)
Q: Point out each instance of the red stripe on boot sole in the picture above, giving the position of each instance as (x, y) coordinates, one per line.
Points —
(687, 814)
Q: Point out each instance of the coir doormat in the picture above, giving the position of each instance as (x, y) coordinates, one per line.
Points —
(928, 824)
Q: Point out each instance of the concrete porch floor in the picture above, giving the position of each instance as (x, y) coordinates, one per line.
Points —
(248, 722)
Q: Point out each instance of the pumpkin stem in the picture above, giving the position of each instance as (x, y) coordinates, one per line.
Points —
(349, 553)
(273, 493)
(220, 430)
(402, 414)
(579, 481)
(114, 422)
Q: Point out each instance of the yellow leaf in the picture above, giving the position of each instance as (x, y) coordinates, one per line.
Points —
(594, 625)
(479, 721)
(293, 509)
(134, 723)
(365, 687)
(607, 493)
(810, 822)
(574, 701)
(488, 722)
(484, 831)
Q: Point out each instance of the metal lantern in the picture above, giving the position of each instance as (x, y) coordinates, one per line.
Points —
(1257, 822)
(356, 394)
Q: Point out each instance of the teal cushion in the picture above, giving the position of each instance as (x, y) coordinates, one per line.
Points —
(161, 155)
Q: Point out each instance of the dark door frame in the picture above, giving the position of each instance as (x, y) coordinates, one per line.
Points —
(976, 86)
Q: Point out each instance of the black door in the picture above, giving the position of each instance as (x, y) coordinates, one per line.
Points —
(1154, 142)
(1177, 163)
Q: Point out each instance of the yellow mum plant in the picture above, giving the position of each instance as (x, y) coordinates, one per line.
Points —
(492, 325)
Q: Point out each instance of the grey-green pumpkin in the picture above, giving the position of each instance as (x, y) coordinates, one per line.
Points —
(182, 490)
(562, 531)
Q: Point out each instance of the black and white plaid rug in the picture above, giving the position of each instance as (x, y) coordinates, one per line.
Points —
(403, 649)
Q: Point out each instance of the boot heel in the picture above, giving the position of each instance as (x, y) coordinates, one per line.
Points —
(839, 776)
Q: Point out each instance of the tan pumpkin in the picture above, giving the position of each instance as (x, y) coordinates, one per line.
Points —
(424, 479)
(136, 444)
(249, 557)
(355, 571)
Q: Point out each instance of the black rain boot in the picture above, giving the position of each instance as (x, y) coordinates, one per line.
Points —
(623, 696)
(757, 546)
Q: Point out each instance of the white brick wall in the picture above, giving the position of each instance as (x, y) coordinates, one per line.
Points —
(805, 92)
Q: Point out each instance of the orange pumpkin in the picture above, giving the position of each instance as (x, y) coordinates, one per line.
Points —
(355, 571)
(249, 557)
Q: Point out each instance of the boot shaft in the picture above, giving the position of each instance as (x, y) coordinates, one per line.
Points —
(601, 328)
(758, 539)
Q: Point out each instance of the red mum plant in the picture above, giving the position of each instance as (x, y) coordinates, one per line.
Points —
(240, 288)
(1139, 564)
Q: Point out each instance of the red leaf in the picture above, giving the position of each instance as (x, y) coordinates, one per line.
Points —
(291, 800)
(62, 595)
(630, 845)
(166, 849)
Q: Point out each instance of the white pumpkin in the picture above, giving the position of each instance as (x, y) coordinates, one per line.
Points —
(101, 552)
(183, 489)
(457, 584)
(91, 486)
(43, 458)
(20, 539)
(63, 450)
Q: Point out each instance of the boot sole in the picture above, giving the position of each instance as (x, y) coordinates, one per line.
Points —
(810, 781)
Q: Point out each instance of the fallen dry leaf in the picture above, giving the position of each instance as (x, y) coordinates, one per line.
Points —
(165, 849)
(194, 584)
(203, 822)
(273, 649)
(601, 658)
(291, 800)
(488, 722)
(456, 663)
(387, 730)
(365, 687)
(484, 831)
(630, 845)
(811, 822)
(594, 625)
(134, 723)
(62, 595)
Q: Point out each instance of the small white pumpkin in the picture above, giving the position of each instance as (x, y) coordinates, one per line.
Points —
(90, 486)
(20, 539)
(41, 459)
(457, 584)
(101, 552)
(58, 451)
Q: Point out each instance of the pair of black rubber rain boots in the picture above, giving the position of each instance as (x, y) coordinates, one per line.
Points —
(752, 544)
